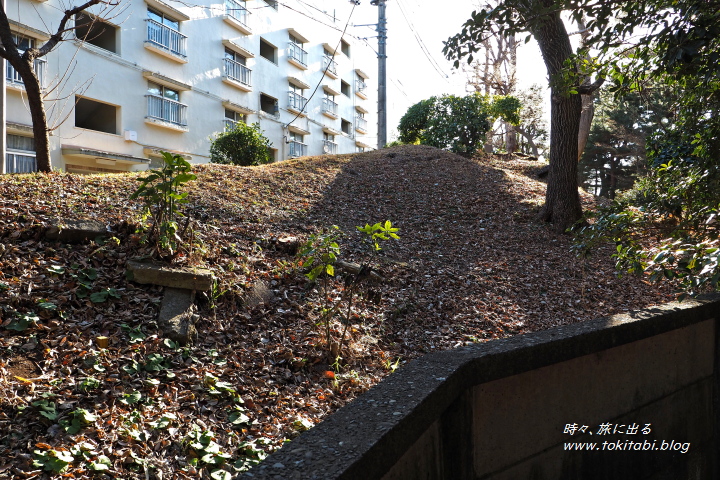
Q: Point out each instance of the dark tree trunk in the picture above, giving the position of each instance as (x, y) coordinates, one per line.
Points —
(37, 113)
(562, 201)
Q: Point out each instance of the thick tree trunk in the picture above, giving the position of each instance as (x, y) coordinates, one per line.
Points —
(37, 113)
(562, 201)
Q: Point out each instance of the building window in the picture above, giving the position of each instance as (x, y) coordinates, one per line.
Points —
(296, 145)
(235, 68)
(164, 32)
(344, 88)
(20, 155)
(329, 145)
(164, 104)
(94, 31)
(94, 115)
(268, 51)
(296, 52)
(345, 126)
(345, 47)
(237, 9)
(269, 104)
(23, 43)
(272, 3)
(329, 107)
(296, 100)
(232, 118)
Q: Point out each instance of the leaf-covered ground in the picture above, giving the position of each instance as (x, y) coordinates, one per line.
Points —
(471, 265)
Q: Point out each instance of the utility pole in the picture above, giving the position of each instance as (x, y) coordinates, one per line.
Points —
(381, 28)
(382, 72)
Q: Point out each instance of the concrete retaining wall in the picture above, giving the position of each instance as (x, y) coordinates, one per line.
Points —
(644, 385)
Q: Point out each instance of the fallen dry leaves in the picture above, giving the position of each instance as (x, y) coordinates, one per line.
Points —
(471, 265)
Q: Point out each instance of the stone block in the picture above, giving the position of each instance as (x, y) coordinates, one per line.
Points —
(183, 278)
(177, 315)
(76, 231)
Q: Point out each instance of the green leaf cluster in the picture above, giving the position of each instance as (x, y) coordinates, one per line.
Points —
(79, 419)
(379, 231)
(161, 194)
(319, 253)
(243, 145)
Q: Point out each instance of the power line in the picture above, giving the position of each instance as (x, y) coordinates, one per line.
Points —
(421, 44)
(332, 59)
(399, 86)
(223, 9)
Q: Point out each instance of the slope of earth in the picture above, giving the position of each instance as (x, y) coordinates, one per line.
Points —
(470, 265)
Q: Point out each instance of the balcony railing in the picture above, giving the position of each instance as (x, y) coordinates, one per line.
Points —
(167, 110)
(166, 38)
(330, 147)
(296, 101)
(297, 149)
(13, 76)
(360, 86)
(329, 106)
(237, 71)
(230, 124)
(237, 11)
(361, 124)
(330, 65)
(297, 53)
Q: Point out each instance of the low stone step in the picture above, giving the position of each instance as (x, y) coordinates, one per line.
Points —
(76, 231)
(199, 279)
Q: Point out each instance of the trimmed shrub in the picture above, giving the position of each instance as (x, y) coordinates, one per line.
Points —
(243, 145)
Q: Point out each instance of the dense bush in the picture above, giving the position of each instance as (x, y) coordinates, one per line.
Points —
(415, 120)
(243, 145)
(458, 124)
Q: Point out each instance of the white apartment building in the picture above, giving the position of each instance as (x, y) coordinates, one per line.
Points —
(165, 75)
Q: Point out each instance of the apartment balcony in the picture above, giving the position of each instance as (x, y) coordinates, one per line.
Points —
(297, 149)
(329, 66)
(361, 89)
(166, 113)
(329, 108)
(296, 102)
(361, 125)
(166, 41)
(237, 16)
(237, 75)
(13, 77)
(297, 55)
(330, 147)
